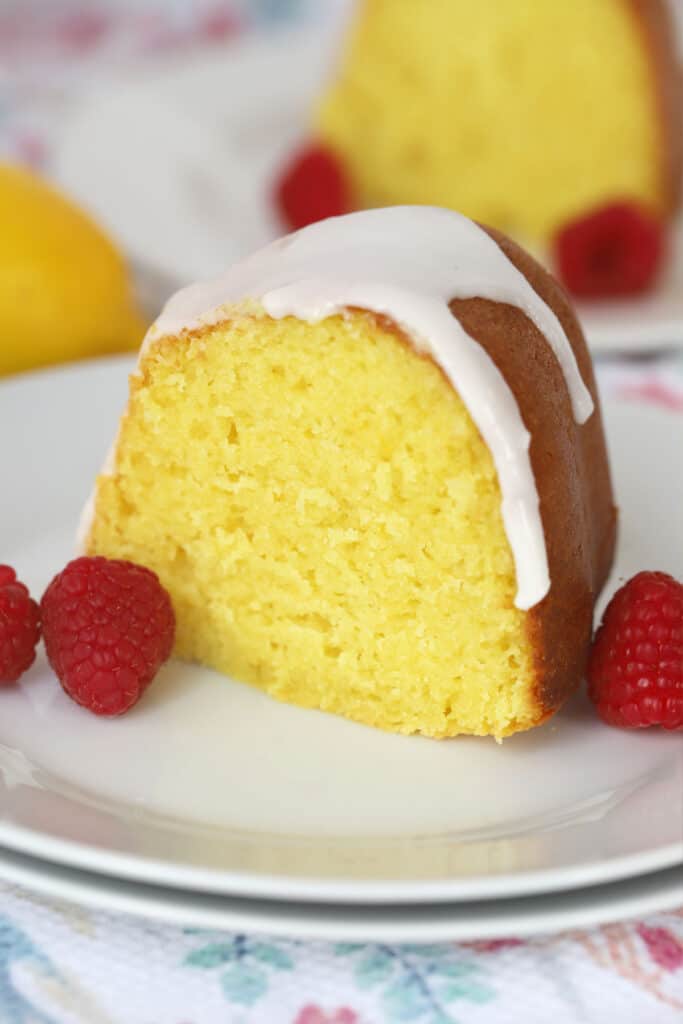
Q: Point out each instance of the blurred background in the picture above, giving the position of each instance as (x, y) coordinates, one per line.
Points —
(164, 127)
(136, 110)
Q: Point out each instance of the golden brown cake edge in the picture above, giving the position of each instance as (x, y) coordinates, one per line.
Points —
(570, 467)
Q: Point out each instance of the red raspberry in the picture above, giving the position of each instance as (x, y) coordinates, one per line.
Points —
(615, 250)
(635, 671)
(19, 626)
(108, 627)
(314, 185)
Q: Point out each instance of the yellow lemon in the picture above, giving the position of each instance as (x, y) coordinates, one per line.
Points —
(65, 292)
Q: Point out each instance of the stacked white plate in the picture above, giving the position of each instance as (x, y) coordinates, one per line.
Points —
(211, 804)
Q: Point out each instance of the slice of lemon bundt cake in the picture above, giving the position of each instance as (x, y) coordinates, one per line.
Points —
(368, 465)
(523, 114)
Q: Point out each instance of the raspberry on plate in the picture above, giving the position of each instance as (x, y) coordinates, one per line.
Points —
(108, 626)
(19, 626)
(635, 671)
(313, 186)
(615, 250)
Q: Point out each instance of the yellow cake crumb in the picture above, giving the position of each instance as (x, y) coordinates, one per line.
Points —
(326, 518)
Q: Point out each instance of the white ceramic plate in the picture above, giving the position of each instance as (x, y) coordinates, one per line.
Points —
(210, 785)
(178, 163)
(442, 922)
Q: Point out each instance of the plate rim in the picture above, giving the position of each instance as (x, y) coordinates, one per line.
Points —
(522, 917)
(71, 854)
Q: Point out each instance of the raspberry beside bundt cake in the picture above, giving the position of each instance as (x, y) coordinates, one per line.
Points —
(368, 465)
(522, 114)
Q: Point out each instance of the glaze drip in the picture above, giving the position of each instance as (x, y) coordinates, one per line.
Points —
(408, 263)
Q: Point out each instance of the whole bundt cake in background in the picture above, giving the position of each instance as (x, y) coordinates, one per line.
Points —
(368, 465)
(522, 114)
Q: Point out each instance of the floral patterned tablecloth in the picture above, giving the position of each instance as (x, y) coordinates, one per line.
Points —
(60, 964)
(63, 965)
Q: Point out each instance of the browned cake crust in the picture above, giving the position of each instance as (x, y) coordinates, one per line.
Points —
(659, 32)
(571, 469)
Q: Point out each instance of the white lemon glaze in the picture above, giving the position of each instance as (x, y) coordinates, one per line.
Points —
(408, 263)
